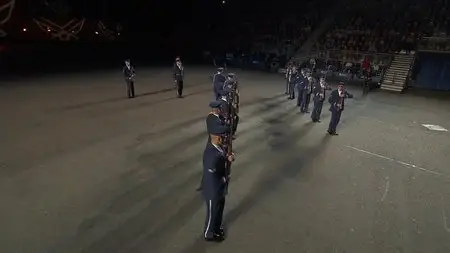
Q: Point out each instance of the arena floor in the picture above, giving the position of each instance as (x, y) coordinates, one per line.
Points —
(84, 169)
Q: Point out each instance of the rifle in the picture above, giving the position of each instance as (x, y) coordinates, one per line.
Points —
(229, 140)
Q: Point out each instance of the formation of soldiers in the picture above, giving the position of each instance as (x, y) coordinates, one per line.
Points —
(306, 86)
(221, 124)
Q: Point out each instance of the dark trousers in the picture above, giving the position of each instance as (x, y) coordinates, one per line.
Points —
(287, 86)
(299, 97)
(214, 214)
(305, 101)
(334, 121)
(235, 124)
(130, 89)
(366, 88)
(291, 90)
(179, 88)
(317, 109)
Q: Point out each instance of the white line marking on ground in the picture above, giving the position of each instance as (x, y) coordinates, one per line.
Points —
(397, 161)
(386, 189)
(435, 127)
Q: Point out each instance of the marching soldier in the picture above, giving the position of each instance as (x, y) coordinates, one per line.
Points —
(178, 76)
(304, 106)
(318, 98)
(129, 74)
(288, 78)
(214, 121)
(337, 104)
(293, 83)
(366, 83)
(215, 180)
(232, 85)
(218, 82)
(301, 84)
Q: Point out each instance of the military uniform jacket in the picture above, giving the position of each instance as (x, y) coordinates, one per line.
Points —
(310, 85)
(214, 172)
(317, 91)
(219, 81)
(178, 72)
(128, 73)
(337, 102)
(225, 108)
(295, 80)
(215, 121)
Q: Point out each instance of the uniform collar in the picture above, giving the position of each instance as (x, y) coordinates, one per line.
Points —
(218, 147)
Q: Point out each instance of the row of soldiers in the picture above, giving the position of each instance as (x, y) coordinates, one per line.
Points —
(221, 124)
(306, 86)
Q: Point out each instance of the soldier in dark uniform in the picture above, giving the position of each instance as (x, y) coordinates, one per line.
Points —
(218, 83)
(293, 83)
(318, 98)
(214, 122)
(337, 104)
(129, 73)
(288, 78)
(214, 185)
(178, 76)
(366, 83)
(304, 106)
(301, 84)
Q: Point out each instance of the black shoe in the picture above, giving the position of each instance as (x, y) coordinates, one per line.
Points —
(199, 188)
(215, 238)
(222, 231)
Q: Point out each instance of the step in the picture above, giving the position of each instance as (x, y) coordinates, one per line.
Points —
(392, 88)
(392, 85)
(396, 73)
(402, 60)
(396, 81)
(400, 56)
(399, 69)
(400, 63)
(393, 70)
(396, 77)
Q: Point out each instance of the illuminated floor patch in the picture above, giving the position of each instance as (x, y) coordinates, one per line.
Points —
(435, 127)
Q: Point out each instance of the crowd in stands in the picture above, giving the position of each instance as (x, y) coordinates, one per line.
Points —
(372, 30)
(278, 37)
(383, 26)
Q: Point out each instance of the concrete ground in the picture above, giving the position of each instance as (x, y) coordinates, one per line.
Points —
(83, 169)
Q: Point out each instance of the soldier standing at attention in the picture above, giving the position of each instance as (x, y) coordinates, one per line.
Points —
(337, 104)
(129, 73)
(218, 82)
(288, 78)
(304, 107)
(214, 185)
(318, 98)
(214, 122)
(293, 83)
(178, 76)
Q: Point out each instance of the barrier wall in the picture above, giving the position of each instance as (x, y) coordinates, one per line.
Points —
(432, 71)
